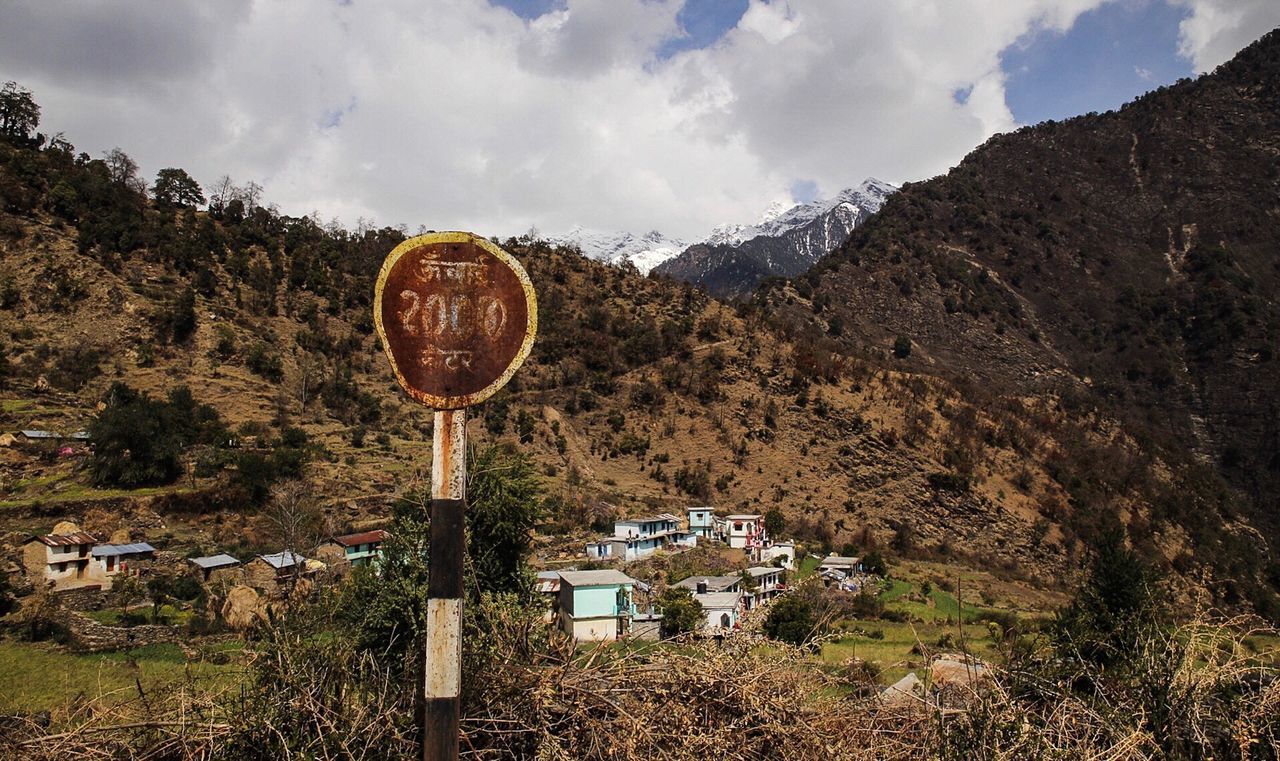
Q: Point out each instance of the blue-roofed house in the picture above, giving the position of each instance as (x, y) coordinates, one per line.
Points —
(111, 560)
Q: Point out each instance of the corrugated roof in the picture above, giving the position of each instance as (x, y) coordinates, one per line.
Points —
(651, 519)
(215, 561)
(107, 550)
(548, 575)
(40, 434)
(364, 537)
(759, 570)
(719, 600)
(714, 583)
(284, 559)
(63, 540)
(596, 578)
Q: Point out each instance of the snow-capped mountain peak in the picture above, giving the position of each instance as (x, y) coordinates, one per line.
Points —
(654, 248)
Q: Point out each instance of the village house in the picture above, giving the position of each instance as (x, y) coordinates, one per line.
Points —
(266, 571)
(548, 584)
(701, 584)
(596, 605)
(768, 585)
(636, 538)
(721, 610)
(744, 532)
(845, 565)
(111, 560)
(846, 573)
(702, 522)
(352, 550)
(216, 567)
(62, 560)
(784, 553)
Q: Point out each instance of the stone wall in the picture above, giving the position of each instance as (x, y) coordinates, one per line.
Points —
(89, 636)
(81, 598)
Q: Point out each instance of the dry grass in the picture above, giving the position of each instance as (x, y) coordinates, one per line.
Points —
(1197, 693)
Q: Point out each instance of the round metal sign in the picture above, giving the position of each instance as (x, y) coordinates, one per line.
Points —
(457, 316)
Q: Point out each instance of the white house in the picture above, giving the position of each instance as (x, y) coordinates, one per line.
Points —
(703, 584)
(768, 585)
(845, 565)
(721, 610)
(745, 532)
(63, 560)
(110, 560)
(784, 550)
(635, 538)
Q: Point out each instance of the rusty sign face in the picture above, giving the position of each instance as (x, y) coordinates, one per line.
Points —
(457, 316)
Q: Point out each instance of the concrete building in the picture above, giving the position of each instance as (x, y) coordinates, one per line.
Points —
(111, 560)
(62, 560)
(636, 538)
(596, 605)
(784, 550)
(768, 585)
(700, 584)
(845, 565)
(721, 609)
(745, 532)
(702, 522)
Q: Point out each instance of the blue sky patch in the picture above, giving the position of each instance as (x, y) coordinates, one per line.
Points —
(704, 22)
(529, 9)
(1111, 55)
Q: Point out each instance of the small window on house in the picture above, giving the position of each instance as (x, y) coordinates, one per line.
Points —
(737, 525)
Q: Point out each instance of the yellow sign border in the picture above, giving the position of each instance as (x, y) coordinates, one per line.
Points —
(531, 299)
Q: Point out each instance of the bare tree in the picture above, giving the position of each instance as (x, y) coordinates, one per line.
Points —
(294, 515)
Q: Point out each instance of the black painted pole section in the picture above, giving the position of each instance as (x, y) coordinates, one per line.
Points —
(443, 656)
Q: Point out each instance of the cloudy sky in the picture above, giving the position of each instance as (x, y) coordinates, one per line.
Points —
(503, 115)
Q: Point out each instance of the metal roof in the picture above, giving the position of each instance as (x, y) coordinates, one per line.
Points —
(284, 559)
(364, 537)
(40, 434)
(603, 577)
(839, 560)
(108, 550)
(215, 561)
(759, 570)
(548, 575)
(652, 519)
(63, 540)
(714, 583)
(719, 600)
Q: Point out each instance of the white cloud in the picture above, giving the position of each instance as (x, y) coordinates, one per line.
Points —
(459, 115)
(1217, 29)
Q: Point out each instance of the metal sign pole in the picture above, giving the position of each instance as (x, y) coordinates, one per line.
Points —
(443, 654)
(457, 316)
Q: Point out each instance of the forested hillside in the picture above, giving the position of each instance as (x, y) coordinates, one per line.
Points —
(1127, 264)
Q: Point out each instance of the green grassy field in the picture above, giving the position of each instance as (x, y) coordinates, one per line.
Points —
(892, 653)
(41, 677)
